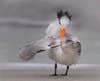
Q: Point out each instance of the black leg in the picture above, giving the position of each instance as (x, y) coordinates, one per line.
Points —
(67, 69)
(55, 73)
(55, 68)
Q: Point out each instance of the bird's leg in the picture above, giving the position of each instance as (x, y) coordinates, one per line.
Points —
(67, 69)
(55, 73)
(66, 73)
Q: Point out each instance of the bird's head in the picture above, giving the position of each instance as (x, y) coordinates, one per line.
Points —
(64, 19)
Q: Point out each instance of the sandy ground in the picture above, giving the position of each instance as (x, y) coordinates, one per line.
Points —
(80, 73)
(44, 75)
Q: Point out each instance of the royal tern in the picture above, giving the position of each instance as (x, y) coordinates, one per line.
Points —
(62, 46)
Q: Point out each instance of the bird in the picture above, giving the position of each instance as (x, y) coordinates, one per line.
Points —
(65, 50)
(61, 45)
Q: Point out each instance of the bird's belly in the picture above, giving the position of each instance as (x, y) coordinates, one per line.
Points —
(66, 58)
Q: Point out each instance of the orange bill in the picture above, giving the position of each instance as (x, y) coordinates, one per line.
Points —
(62, 33)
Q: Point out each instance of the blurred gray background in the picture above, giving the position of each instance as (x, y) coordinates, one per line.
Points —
(22, 21)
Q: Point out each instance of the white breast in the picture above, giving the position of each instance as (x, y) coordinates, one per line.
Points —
(64, 55)
(59, 56)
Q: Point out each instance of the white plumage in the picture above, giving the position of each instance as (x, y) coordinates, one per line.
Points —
(65, 51)
(54, 27)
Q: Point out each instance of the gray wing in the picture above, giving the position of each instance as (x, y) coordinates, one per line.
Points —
(30, 50)
(73, 44)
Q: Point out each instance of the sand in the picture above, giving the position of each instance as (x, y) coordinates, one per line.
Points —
(43, 73)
